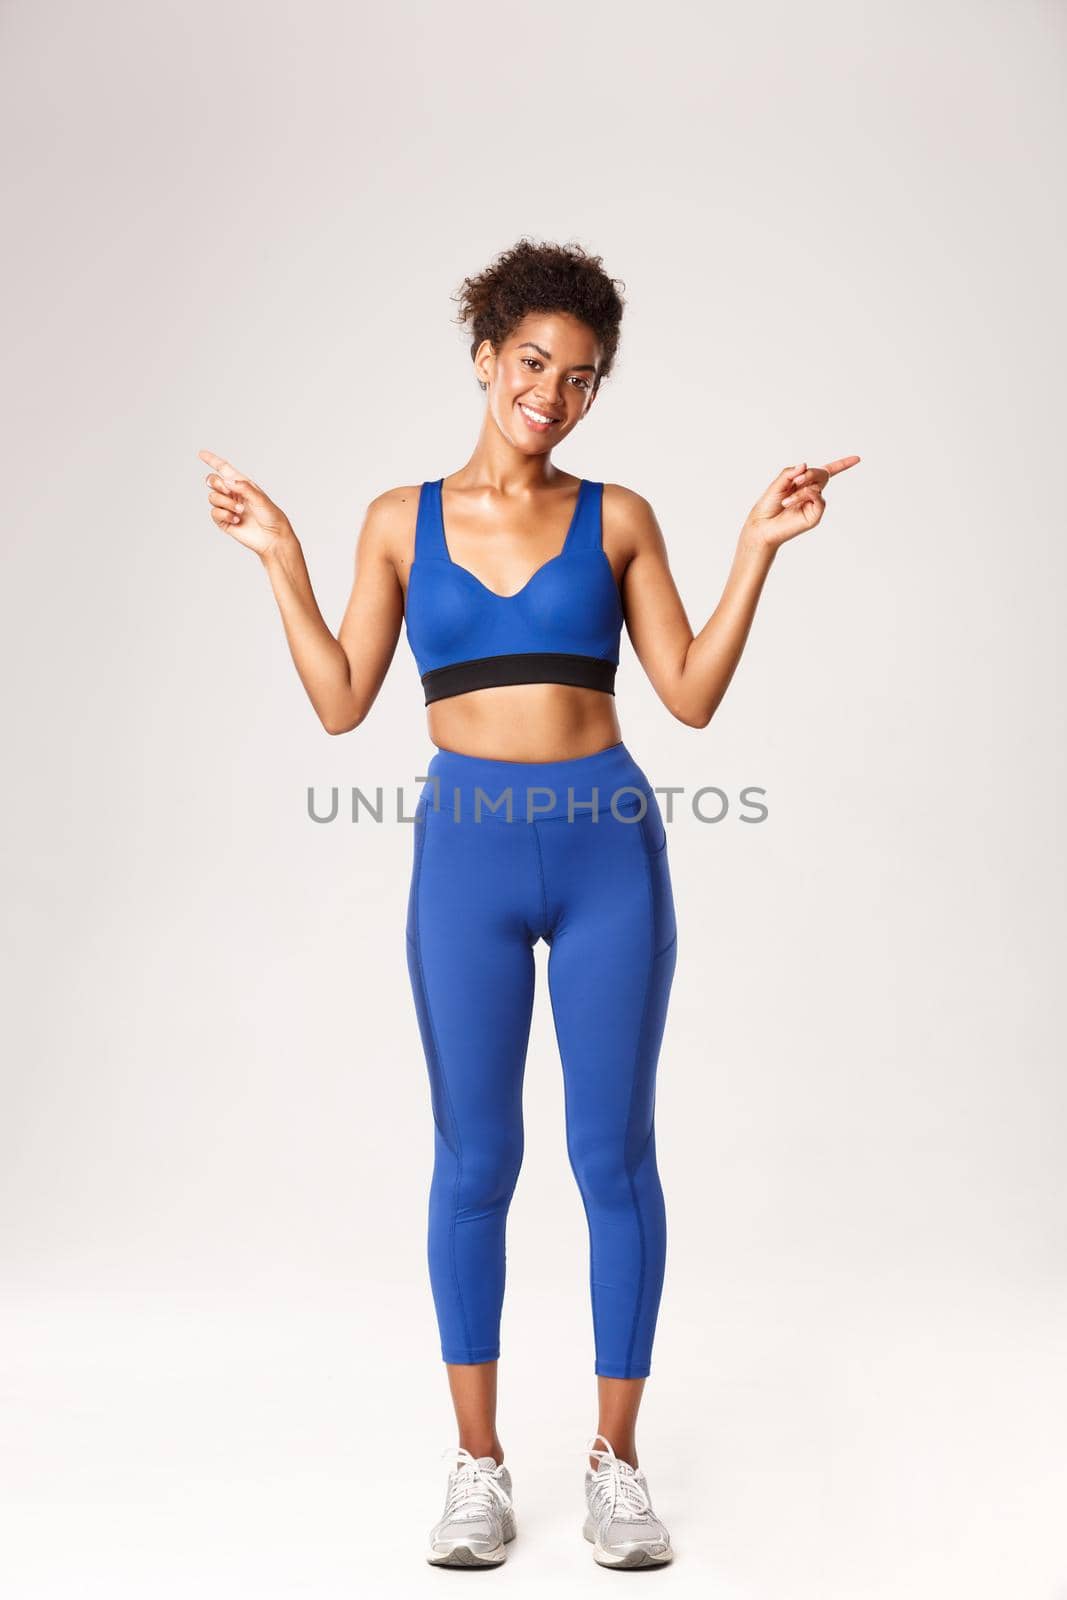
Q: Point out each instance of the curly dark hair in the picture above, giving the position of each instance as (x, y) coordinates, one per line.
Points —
(535, 276)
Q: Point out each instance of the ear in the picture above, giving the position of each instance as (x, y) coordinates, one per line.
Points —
(485, 362)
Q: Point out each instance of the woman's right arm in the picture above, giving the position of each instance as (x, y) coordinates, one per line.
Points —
(342, 676)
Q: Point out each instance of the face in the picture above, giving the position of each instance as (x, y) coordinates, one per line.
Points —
(541, 380)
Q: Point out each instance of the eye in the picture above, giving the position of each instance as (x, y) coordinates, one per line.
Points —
(584, 382)
(531, 360)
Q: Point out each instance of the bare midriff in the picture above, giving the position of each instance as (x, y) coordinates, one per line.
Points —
(525, 722)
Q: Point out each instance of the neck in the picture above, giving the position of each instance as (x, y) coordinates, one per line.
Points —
(497, 463)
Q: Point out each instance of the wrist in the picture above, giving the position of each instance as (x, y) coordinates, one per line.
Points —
(284, 544)
(753, 543)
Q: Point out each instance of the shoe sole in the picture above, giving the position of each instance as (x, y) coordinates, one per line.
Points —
(461, 1555)
(636, 1556)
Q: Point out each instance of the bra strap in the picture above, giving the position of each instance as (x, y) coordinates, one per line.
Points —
(586, 533)
(429, 524)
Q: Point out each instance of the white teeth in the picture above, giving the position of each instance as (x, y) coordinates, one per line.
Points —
(535, 416)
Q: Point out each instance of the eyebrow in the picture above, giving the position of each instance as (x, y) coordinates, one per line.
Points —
(581, 366)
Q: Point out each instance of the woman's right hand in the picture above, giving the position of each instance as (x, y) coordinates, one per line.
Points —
(240, 508)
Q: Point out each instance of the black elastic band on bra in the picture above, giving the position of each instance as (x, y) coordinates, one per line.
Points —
(531, 666)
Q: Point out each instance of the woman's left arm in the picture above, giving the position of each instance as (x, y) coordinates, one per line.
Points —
(691, 672)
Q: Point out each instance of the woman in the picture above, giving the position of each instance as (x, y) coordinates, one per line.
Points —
(514, 579)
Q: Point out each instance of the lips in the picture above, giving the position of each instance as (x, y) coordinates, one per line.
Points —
(539, 421)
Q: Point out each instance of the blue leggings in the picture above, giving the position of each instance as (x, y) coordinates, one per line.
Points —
(485, 886)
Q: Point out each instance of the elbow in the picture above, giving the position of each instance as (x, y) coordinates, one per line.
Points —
(692, 716)
(684, 705)
(342, 723)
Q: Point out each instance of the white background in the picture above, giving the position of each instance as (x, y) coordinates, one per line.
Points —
(238, 226)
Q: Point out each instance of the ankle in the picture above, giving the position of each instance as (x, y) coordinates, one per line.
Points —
(625, 1450)
(482, 1447)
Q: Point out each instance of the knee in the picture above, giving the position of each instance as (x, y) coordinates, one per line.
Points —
(488, 1173)
(602, 1172)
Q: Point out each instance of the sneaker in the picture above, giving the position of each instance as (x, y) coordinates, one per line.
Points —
(621, 1525)
(478, 1519)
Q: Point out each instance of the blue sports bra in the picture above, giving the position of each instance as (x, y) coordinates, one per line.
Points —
(562, 626)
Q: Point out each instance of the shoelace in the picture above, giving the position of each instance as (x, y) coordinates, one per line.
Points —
(471, 1487)
(618, 1488)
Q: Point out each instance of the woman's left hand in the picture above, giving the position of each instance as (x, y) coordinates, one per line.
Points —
(792, 504)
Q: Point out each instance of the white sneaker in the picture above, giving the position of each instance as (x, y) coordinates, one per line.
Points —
(621, 1525)
(478, 1519)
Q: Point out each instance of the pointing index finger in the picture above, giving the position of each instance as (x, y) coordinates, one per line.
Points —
(219, 464)
(840, 465)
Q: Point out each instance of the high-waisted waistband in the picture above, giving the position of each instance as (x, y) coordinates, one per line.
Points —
(610, 780)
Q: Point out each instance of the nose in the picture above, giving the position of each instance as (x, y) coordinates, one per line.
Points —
(550, 392)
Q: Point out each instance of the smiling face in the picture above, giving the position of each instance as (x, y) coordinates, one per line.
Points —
(541, 380)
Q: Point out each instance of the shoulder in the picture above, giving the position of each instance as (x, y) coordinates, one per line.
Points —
(393, 506)
(388, 529)
(629, 521)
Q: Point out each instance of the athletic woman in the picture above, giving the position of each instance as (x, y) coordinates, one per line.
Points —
(514, 579)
